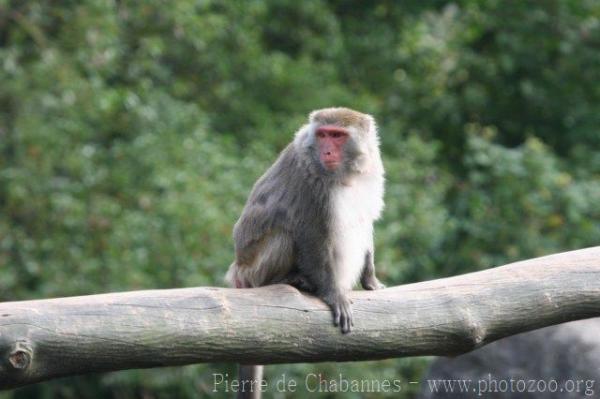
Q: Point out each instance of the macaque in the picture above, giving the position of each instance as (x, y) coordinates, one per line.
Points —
(309, 219)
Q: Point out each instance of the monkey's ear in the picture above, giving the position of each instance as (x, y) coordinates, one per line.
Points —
(303, 136)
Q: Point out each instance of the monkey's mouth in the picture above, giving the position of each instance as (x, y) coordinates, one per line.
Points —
(331, 165)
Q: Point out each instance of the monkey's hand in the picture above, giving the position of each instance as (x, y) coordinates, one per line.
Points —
(371, 283)
(342, 311)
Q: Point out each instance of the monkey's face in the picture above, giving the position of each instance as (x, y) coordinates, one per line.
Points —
(331, 141)
(342, 142)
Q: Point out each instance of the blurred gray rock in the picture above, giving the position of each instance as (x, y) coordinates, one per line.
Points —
(560, 361)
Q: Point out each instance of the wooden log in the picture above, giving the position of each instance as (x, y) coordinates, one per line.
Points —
(50, 338)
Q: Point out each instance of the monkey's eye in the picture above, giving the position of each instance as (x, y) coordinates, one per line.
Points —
(320, 134)
(336, 135)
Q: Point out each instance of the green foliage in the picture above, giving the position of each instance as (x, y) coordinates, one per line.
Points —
(519, 203)
(131, 133)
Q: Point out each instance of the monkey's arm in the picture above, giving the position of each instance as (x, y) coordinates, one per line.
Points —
(316, 265)
(330, 292)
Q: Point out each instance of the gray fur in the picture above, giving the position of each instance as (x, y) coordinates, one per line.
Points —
(285, 232)
(288, 209)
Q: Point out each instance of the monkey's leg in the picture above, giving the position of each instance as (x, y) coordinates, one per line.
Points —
(317, 267)
(249, 378)
(267, 261)
(368, 280)
(295, 279)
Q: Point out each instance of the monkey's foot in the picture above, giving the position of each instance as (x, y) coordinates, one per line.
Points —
(372, 284)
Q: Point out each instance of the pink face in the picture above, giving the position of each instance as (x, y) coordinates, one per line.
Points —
(330, 141)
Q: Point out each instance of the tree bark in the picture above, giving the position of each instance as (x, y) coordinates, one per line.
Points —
(44, 339)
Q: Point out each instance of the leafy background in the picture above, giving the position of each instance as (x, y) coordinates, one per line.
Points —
(131, 133)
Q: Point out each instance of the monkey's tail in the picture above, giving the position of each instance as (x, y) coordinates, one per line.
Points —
(250, 378)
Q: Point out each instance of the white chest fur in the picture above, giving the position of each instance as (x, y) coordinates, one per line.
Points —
(355, 207)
